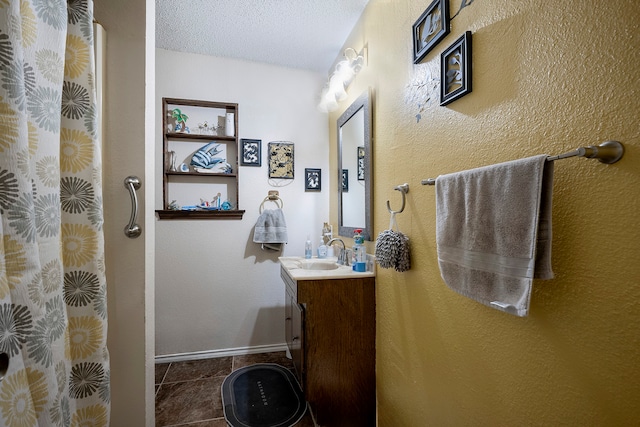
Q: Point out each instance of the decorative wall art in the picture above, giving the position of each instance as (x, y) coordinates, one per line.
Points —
(360, 163)
(345, 180)
(312, 179)
(281, 160)
(250, 152)
(430, 28)
(455, 74)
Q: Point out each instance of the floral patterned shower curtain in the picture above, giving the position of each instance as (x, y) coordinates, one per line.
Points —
(53, 316)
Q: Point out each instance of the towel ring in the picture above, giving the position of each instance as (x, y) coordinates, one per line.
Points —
(277, 200)
(404, 189)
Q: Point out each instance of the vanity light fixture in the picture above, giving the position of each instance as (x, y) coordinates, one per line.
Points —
(336, 88)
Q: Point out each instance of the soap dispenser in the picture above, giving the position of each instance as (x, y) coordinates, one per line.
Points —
(359, 252)
(322, 250)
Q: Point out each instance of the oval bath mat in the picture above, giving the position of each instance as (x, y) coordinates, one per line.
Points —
(262, 395)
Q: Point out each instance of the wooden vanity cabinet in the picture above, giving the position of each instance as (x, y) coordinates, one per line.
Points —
(330, 332)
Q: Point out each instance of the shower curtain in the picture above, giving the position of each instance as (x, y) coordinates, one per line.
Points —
(53, 315)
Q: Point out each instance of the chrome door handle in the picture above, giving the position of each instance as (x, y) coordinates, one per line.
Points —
(133, 230)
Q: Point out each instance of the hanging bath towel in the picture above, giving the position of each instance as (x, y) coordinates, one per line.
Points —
(493, 231)
(392, 248)
(271, 230)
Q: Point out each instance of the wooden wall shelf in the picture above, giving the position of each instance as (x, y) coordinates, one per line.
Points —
(188, 187)
(172, 214)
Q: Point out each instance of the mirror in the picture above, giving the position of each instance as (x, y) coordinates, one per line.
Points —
(354, 169)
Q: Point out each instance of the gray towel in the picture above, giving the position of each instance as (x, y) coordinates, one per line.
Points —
(271, 229)
(493, 231)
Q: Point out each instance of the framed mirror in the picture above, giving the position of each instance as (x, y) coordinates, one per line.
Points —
(354, 169)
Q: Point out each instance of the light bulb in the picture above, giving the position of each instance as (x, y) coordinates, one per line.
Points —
(356, 64)
(350, 54)
(336, 85)
(329, 99)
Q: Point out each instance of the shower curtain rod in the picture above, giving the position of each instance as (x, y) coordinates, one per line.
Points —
(608, 152)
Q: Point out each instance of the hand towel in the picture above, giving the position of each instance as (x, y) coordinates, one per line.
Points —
(493, 231)
(271, 229)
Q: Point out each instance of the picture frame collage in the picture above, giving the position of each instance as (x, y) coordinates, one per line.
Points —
(432, 27)
(280, 157)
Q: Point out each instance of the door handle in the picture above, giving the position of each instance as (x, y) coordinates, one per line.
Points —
(133, 230)
(4, 365)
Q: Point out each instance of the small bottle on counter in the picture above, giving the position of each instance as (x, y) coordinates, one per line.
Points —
(359, 252)
(308, 248)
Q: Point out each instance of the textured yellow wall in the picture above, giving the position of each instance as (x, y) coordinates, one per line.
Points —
(548, 77)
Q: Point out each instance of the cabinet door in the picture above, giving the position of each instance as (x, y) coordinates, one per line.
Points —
(288, 318)
(297, 340)
(297, 353)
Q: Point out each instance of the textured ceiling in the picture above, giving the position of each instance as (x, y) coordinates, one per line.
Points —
(306, 34)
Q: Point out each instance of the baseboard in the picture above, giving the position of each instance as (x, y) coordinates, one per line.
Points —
(210, 354)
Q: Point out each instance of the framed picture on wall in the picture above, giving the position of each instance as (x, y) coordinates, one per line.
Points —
(430, 28)
(251, 152)
(360, 163)
(312, 179)
(455, 70)
(345, 180)
(281, 160)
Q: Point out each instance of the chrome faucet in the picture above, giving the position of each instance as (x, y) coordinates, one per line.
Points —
(342, 256)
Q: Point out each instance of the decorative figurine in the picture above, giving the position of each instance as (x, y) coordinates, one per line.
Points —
(181, 120)
(214, 204)
(206, 129)
(172, 161)
(203, 158)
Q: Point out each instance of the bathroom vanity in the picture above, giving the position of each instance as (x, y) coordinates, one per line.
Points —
(330, 332)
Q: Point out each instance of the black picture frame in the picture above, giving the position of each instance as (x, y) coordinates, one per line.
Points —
(345, 180)
(455, 70)
(281, 160)
(250, 152)
(360, 157)
(312, 179)
(432, 26)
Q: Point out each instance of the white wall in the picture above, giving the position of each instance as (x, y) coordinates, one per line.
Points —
(215, 289)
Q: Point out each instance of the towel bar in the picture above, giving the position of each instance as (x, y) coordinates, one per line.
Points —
(608, 152)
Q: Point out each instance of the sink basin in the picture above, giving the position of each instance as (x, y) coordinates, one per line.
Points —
(300, 268)
(317, 265)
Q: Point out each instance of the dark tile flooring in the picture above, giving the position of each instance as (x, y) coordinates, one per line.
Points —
(188, 393)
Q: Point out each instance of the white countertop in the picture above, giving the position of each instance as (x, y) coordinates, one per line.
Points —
(293, 265)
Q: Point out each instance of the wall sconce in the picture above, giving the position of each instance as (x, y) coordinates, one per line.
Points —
(336, 88)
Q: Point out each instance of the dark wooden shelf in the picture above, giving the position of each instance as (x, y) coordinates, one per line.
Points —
(183, 135)
(230, 175)
(221, 214)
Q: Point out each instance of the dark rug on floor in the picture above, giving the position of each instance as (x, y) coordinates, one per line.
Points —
(262, 395)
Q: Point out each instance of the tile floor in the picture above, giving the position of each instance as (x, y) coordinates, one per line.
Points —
(188, 393)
